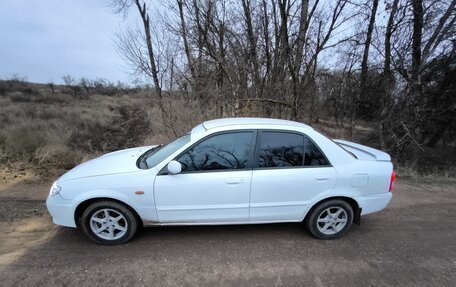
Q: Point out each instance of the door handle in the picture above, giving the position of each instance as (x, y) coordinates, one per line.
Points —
(322, 177)
(234, 180)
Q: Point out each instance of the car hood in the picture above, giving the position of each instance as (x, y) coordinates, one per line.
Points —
(121, 161)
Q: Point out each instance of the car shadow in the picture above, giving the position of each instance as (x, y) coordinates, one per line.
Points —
(189, 240)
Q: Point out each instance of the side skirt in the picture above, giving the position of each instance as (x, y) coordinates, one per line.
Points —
(154, 223)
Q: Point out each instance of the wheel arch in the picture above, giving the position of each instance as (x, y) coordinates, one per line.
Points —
(84, 204)
(353, 203)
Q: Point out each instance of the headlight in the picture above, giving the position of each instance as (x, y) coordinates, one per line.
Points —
(55, 189)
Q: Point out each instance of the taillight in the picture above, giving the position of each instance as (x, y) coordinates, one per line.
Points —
(393, 179)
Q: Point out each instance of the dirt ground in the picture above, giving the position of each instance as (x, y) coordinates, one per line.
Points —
(411, 243)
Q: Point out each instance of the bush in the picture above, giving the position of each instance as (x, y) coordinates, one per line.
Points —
(20, 97)
(16, 85)
(57, 155)
(128, 128)
(24, 140)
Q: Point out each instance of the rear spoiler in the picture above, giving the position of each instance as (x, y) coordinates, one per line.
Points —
(363, 152)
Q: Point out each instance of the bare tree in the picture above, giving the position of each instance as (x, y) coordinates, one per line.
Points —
(130, 44)
(68, 80)
(303, 59)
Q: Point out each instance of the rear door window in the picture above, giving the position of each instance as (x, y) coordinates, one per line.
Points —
(280, 149)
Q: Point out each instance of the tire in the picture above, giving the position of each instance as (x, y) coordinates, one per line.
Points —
(120, 227)
(326, 220)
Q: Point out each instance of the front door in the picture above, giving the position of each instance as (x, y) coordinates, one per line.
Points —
(214, 185)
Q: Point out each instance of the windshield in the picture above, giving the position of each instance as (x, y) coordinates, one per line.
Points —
(162, 153)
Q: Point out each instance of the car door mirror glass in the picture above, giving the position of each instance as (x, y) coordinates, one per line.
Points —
(174, 167)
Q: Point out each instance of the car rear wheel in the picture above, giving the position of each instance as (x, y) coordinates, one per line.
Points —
(109, 222)
(330, 219)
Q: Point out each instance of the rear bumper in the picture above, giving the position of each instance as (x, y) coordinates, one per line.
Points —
(61, 210)
(374, 202)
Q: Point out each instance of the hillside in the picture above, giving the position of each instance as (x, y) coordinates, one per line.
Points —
(46, 129)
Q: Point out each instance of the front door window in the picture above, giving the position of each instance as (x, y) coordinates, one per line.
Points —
(228, 151)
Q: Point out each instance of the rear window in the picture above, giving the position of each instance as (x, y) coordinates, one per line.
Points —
(349, 152)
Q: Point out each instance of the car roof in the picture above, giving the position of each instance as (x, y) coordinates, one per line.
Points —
(250, 121)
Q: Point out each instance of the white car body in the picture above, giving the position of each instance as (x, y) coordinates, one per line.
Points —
(252, 195)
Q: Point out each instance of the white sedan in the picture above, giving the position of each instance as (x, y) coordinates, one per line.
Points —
(226, 171)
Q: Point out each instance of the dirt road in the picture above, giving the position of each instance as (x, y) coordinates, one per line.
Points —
(411, 243)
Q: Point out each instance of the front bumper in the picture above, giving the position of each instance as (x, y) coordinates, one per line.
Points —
(61, 210)
(374, 202)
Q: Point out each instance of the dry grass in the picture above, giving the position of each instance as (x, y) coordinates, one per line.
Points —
(43, 133)
(44, 130)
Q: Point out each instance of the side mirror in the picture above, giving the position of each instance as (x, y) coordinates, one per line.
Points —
(174, 167)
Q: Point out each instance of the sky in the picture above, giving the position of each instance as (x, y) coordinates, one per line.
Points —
(43, 40)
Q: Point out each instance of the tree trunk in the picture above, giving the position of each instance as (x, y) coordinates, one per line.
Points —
(184, 38)
(153, 67)
(417, 6)
(300, 41)
(364, 63)
(364, 69)
(388, 77)
(252, 45)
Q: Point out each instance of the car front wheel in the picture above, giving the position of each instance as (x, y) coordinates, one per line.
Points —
(330, 219)
(109, 222)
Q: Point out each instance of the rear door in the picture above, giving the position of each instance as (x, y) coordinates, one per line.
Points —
(289, 171)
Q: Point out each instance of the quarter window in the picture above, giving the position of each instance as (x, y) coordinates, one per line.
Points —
(278, 149)
(220, 152)
(313, 156)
